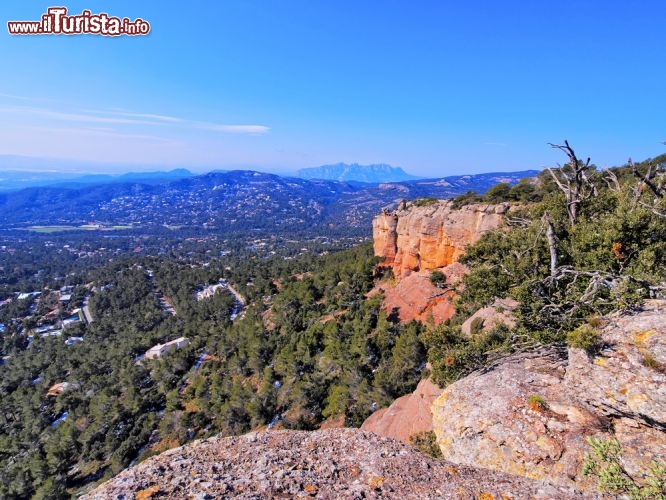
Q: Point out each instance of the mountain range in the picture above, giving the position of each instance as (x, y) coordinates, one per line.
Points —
(14, 180)
(362, 173)
(230, 201)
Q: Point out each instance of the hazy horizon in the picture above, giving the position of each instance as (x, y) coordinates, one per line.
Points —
(37, 165)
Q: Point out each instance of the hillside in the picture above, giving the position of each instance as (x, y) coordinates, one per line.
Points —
(313, 343)
(229, 201)
(15, 180)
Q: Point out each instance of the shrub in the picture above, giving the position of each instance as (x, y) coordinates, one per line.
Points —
(651, 362)
(454, 355)
(438, 279)
(468, 198)
(584, 337)
(424, 202)
(426, 443)
(537, 403)
(498, 193)
(477, 326)
(605, 462)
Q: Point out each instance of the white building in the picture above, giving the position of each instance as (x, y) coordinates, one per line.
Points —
(158, 350)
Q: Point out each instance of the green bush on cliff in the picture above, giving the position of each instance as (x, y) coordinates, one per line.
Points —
(438, 278)
(424, 202)
(605, 463)
(426, 443)
(563, 264)
(454, 355)
(584, 337)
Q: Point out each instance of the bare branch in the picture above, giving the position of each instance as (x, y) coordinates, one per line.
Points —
(652, 208)
(611, 178)
(578, 188)
(552, 243)
(647, 178)
(518, 221)
(557, 181)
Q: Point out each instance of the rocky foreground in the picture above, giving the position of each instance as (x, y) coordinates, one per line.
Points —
(334, 463)
(490, 418)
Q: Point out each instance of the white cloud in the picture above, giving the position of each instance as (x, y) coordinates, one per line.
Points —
(232, 129)
(77, 117)
(150, 116)
(17, 97)
(116, 117)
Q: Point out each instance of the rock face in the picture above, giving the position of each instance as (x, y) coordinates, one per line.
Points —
(335, 464)
(531, 414)
(497, 313)
(416, 298)
(432, 236)
(407, 415)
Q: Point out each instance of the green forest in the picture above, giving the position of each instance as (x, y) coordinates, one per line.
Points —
(308, 344)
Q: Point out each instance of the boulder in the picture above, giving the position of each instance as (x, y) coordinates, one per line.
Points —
(407, 415)
(500, 312)
(530, 414)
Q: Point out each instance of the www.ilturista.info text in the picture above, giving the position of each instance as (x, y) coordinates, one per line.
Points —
(56, 22)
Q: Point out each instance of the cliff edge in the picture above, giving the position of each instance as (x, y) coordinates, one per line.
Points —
(421, 238)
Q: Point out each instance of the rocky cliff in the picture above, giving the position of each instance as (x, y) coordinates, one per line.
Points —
(531, 414)
(432, 236)
(407, 415)
(335, 464)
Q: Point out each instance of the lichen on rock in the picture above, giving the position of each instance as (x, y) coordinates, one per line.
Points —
(486, 418)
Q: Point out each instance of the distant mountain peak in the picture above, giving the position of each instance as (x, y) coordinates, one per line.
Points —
(374, 174)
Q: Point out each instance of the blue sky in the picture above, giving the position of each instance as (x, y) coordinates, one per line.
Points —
(439, 88)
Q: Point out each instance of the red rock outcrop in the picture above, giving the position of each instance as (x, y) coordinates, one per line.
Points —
(416, 298)
(530, 414)
(432, 236)
(407, 415)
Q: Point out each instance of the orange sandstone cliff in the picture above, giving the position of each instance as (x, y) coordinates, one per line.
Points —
(414, 241)
(421, 238)
(417, 239)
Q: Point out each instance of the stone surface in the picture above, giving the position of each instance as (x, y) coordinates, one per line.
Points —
(416, 298)
(499, 312)
(432, 236)
(330, 464)
(493, 418)
(407, 415)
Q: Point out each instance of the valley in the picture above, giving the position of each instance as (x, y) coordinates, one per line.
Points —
(118, 346)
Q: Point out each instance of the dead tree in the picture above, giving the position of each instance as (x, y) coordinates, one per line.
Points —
(612, 181)
(552, 243)
(573, 181)
(648, 179)
(653, 179)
